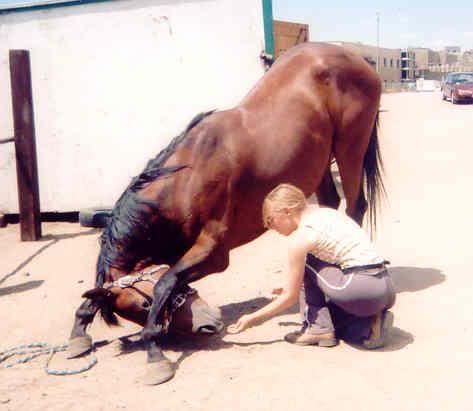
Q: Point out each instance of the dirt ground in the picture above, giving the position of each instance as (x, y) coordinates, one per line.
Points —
(424, 230)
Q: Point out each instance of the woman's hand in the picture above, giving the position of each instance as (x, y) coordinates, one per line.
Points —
(244, 322)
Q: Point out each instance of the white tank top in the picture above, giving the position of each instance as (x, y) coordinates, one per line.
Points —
(337, 238)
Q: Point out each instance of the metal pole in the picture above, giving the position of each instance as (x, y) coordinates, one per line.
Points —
(377, 41)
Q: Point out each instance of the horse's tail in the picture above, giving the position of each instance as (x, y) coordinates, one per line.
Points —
(373, 168)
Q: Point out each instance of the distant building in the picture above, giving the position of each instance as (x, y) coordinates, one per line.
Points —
(467, 58)
(408, 65)
(448, 58)
(424, 59)
(451, 60)
(421, 62)
(455, 50)
(387, 61)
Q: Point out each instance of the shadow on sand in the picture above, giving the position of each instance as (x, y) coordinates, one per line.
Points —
(53, 238)
(19, 288)
(412, 279)
(190, 344)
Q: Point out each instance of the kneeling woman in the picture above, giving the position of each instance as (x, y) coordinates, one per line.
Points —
(345, 287)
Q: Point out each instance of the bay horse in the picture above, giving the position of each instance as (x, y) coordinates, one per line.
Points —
(202, 195)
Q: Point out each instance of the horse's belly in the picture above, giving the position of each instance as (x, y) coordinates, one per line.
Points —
(297, 157)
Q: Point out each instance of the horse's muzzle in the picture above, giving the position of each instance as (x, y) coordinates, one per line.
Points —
(207, 321)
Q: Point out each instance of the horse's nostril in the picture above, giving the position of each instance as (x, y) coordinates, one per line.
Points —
(208, 329)
(145, 304)
(211, 329)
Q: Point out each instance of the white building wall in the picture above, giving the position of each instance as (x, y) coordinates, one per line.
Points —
(114, 82)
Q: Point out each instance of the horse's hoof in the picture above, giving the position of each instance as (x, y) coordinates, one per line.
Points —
(158, 372)
(78, 346)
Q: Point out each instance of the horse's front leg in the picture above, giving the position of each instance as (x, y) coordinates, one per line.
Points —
(160, 369)
(79, 341)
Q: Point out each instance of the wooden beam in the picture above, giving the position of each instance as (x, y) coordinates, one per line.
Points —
(25, 145)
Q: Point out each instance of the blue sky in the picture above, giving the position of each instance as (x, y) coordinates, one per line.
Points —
(403, 23)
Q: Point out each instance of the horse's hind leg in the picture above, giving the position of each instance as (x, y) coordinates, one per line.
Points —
(79, 341)
(352, 181)
(350, 146)
(326, 192)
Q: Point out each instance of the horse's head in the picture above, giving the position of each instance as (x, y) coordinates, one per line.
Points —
(131, 298)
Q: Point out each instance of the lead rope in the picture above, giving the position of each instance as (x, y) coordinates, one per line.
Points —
(35, 350)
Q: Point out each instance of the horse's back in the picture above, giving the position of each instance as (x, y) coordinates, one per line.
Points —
(326, 61)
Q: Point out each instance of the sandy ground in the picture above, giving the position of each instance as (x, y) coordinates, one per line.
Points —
(424, 230)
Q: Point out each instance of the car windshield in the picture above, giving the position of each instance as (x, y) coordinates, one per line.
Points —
(463, 78)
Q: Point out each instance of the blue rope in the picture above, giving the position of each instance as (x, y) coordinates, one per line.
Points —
(35, 350)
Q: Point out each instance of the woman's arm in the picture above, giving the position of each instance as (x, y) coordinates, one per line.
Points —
(298, 249)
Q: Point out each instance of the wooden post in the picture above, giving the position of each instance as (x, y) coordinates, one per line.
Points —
(25, 145)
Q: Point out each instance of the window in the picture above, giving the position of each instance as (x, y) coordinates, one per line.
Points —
(385, 60)
(462, 78)
(392, 63)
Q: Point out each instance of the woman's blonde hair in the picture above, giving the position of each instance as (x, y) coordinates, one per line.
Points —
(283, 196)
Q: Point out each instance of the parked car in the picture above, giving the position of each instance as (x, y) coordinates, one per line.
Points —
(458, 87)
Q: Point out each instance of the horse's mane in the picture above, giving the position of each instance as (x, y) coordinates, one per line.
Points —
(153, 169)
(123, 239)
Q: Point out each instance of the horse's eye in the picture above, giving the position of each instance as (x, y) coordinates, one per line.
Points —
(145, 304)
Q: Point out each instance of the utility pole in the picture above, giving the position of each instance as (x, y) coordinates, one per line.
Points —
(377, 41)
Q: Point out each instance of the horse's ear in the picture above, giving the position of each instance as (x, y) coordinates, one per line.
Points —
(98, 293)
